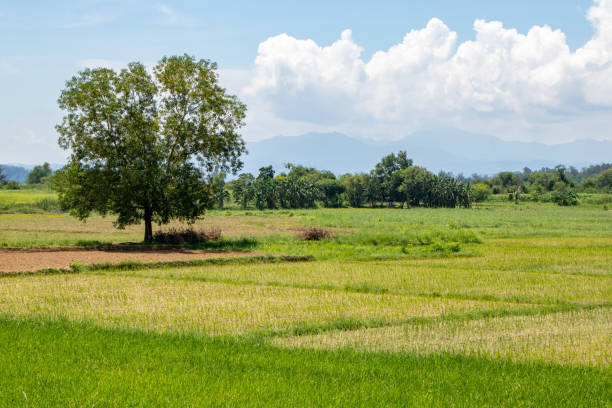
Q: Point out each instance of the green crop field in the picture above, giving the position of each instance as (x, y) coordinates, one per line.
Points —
(28, 201)
(498, 305)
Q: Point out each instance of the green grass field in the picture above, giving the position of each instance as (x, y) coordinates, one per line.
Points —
(499, 305)
(28, 201)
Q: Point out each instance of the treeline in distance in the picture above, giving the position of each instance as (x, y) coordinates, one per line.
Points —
(395, 180)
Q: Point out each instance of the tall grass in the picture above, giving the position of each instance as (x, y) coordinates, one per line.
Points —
(57, 363)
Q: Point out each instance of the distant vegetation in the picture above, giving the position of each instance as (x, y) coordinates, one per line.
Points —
(395, 181)
(40, 174)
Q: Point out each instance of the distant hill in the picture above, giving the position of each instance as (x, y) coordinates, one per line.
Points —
(15, 173)
(449, 150)
(19, 172)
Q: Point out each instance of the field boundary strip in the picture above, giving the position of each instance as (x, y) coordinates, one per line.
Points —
(104, 247)
(134, 265)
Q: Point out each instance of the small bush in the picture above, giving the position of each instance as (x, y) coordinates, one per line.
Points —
(178, 236)
(315, 234)
(12, 185)
(565, 198)
(480, 192)
(446, 247)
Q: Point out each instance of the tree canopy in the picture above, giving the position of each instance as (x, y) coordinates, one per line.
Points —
(604, 180)
(39, 174)
(142, 143)
(394, 180)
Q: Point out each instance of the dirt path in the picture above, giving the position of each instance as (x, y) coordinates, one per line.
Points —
(22, 261)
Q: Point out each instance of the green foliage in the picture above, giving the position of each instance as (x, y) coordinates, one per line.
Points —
(505, 180)
(480, 192)
(416, 185)
(373, 190)
(301, 187)
(547, 180)
(424, 188)
(220, 194)
(39, 174)
(332, 190)
(604, 180)
(140, 142)
(265, 189)
(387, 173)
(354, 189)
(11, 185)
(394, 180)
(564, 196)
(588, 172)
(243, 190)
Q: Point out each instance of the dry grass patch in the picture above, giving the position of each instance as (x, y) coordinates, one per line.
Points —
(406, 278)
(568, 338)
(208, 308)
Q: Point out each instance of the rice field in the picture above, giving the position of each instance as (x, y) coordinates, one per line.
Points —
(578, 338)
(212, 308)
(500, 305)
(425, 278)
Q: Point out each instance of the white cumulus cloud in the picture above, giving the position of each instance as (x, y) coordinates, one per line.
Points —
(515, 84)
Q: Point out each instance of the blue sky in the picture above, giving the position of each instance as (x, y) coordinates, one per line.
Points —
(44, 43)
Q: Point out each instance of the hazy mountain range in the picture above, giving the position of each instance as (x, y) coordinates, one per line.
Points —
(19, 171)
(449, 150)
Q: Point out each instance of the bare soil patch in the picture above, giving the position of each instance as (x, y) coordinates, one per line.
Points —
(33, 260)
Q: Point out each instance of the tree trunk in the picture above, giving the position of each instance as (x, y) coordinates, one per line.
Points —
(148, 218)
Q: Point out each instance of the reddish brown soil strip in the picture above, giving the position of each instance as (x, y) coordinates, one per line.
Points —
(105, 248)
(21, 261)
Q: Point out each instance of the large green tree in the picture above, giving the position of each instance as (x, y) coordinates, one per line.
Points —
(386, 171)
(417, 183)
(266, 194)
(354, 189)
(243, 190)
(142, 142)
